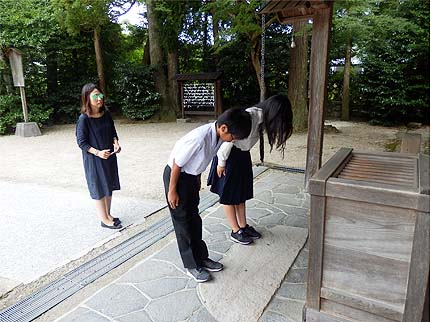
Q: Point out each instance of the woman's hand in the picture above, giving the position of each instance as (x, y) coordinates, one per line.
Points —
(221, 171)
(104, 154)
(117, 148)
(173, 199)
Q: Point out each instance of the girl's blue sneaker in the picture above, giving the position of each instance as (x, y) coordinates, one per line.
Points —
(240, 237)
(251, 232)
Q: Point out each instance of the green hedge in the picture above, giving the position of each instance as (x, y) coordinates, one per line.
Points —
(11, 113)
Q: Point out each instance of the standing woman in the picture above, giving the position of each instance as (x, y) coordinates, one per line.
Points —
(98, 140)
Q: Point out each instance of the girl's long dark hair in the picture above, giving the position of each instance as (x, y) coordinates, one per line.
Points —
(85, 99)
(277, 120)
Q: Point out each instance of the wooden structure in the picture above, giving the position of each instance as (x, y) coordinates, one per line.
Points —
(369, 238)
(320, 11)
(26, 128)
(15, 60)
(200, 94)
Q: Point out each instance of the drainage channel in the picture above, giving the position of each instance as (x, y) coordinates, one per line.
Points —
(52, 294)
(286, 169)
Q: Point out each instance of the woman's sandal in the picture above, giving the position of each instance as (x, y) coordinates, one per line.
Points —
(116, 220)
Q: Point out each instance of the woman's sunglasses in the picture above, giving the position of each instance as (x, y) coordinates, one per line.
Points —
(96, 96)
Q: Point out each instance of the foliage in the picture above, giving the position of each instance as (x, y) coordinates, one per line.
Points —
(76, 16)
(68, 101)
(26, 23)
(130, 45)
(391, 48)
(239, 83)
(237, 18)
(11, 113)
(171, 16)
(389, 83)
(135, 92)
(39, 113)
(394, 86)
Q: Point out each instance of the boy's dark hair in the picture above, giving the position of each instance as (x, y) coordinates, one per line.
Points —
(277, 120)
(238, 122)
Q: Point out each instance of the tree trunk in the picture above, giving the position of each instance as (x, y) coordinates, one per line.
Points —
(173, 84)
(52, 78)
(206, 65)
(216, 38)
(156, 57)
(146, 58)
(99, 60)
(76, 65)
(255, 59)
(5, 74)
(297, 84)
(51, 72)
(345, 109)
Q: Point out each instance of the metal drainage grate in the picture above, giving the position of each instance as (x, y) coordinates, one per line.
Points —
(46, 298)
(286, 169)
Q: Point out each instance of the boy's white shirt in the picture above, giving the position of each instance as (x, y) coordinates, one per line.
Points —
(194, 151)
(244, 144)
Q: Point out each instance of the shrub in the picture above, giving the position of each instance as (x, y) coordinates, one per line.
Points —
(11, 113)
(135, 92)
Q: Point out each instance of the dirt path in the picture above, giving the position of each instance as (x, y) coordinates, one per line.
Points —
(54, 159)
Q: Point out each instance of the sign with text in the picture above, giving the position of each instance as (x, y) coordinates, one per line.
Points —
(199, 97)
(15, 59)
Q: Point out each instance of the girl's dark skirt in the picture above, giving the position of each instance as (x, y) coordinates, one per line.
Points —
(237, 185)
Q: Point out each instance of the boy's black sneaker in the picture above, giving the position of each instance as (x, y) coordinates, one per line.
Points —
(240, 237)
(211, 265)
(251, 232)
(198, 274)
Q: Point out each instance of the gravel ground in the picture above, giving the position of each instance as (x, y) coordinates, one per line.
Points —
(54, 159)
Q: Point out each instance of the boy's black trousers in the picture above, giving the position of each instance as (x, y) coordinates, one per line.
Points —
(186, 220)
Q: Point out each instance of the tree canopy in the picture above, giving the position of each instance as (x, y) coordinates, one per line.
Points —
(66, 43)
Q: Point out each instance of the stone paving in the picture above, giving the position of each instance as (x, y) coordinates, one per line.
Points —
(157, 288)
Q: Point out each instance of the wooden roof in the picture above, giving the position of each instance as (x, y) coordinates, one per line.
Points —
(289, 11)
(203, 76)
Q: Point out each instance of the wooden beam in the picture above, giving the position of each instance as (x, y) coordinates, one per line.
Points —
(295, 14)
(364, 304)
(316, 228)
(317, 184)
(322, 21)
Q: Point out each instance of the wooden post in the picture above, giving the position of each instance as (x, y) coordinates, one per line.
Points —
(322, 20)
(24, 103)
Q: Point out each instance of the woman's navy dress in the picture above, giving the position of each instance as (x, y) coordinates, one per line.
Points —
(99, 133)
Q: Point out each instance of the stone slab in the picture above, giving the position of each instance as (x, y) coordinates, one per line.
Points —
(117, 300)
(184, 120)
(253, 274)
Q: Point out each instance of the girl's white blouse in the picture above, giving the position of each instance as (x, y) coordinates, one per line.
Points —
(244, 144)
